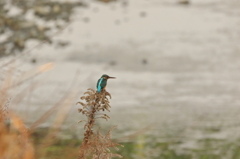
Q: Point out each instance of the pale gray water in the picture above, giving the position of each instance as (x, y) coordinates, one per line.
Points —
(177, 67)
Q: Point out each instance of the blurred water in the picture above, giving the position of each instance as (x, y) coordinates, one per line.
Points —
(176, 66)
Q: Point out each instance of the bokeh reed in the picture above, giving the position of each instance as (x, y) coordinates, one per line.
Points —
(15, 137)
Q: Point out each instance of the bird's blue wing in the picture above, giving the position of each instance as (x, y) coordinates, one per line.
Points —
(99, 85)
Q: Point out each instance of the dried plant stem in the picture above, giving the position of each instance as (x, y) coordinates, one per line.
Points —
(91, 123)
(95, 145)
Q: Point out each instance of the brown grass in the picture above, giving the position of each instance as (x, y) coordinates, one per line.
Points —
(14, 136)
(15, 140)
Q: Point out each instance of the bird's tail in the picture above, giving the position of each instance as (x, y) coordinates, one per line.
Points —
(99, 89)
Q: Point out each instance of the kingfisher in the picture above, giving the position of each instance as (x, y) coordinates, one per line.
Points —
(102, 82)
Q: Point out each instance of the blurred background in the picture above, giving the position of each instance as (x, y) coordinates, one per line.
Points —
(177, 91)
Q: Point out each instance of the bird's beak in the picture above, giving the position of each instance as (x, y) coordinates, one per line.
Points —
(112, 77)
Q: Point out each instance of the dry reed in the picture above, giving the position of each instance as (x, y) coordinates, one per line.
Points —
(15, 141)
(95, 145)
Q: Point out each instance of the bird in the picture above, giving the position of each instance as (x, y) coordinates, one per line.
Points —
(102, 82)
